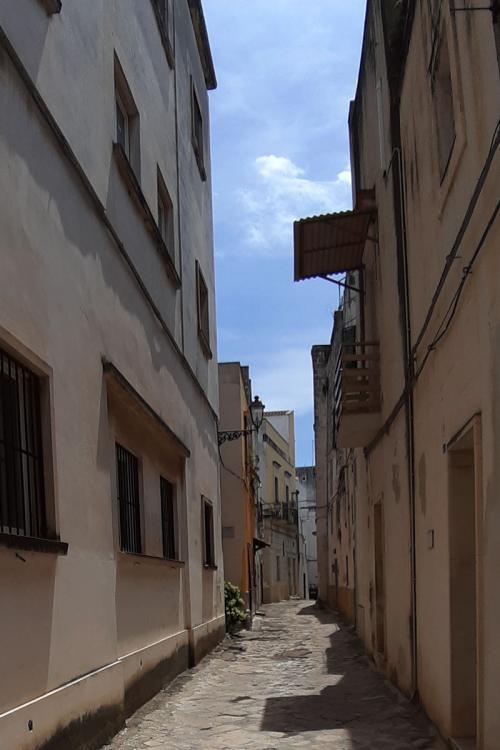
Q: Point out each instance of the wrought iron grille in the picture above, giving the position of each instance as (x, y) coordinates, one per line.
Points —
(168, 519)
(128, 500)
(22, 501)
(208, 529)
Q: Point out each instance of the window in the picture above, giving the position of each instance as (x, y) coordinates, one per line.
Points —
(276, 490)
(443, 106)
(278, 570)
(168, 519)
(122, 126)
(208, 533)
(127, 120)
(203, 312)
(165, 216)
(127, 469)
(22, 501)
(287, 494)
(197, 132)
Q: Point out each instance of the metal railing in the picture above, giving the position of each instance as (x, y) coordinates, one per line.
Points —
(282, 512)
(357, 380)
(22, 501)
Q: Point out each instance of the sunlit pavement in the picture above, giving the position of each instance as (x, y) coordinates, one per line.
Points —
(298, 680)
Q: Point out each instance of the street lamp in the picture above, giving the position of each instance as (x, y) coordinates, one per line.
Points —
(256, 416)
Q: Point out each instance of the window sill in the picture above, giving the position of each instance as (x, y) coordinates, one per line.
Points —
(33, 544)
(152, 558)
(134, 190)
(210, 566)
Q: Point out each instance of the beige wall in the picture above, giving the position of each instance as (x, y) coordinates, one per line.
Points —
(412, 464)
(70, 297)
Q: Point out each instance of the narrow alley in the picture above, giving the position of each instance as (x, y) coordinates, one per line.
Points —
(298, 680)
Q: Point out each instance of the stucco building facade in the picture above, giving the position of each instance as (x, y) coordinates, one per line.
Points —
(110, 545)
(242, 516)
(282, 565)
(405, 393)
(306, 485)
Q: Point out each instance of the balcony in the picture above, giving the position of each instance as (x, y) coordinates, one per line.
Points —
(357, 394)
(284, 512)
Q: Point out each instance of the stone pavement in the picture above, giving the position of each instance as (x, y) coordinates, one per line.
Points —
(298, 680)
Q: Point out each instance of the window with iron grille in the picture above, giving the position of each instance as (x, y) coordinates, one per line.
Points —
(208, 533)
(22, 500)
(168, 525)
(127, 469)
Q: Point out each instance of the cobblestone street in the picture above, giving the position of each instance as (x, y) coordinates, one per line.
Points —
(298, 680)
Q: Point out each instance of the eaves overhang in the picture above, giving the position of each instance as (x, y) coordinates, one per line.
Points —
(331, 243)
(201, 34)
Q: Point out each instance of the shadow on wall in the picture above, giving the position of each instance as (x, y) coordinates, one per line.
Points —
(358, 703)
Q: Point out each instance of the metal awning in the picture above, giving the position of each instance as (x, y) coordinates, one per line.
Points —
(332, 243)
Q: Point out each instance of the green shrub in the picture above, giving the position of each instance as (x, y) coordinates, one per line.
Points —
(235, 607)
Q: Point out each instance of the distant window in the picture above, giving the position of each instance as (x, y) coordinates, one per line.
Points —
(197, 132)
(127, 466)
(165, 215)
(276, 490)
(122, 126)
(287, 494)
(208, 533)
(168, 519)
(278, 569)
(22, 501)
(443, 105)
(203, 311)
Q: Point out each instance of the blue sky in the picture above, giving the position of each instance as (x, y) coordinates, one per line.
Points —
(286, 72)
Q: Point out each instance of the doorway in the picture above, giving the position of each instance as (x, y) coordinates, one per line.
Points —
(463, 594)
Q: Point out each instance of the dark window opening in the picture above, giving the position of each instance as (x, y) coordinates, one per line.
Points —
(208, 531)
(168, 525)
(127, 466)
(165, 216)
(127, 120)
(22, 500)
(276, 490)
(203, 311)
(197, 132)
(287, 494)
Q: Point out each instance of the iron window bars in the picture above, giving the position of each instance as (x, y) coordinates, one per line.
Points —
(208, 530)
(168, 519)
(22, 497)
(127, 467)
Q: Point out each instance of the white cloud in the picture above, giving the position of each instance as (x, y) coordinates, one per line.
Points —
(282, 194)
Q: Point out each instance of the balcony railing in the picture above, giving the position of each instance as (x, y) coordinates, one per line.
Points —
(282, 512)
(357, 394)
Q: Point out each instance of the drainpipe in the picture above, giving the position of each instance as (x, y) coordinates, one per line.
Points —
(404, 304)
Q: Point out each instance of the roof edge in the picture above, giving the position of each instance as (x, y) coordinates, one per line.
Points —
(201, 34)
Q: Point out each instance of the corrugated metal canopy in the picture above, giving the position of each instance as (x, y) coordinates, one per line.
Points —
(329, 244)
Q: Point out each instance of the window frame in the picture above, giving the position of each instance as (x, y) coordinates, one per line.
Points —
(438, 98)
(124, 100)
(203, 325)
(208, 548)
(198, 132)
(27, 468)
(135, 546)
(165, 206)
(169, 521)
